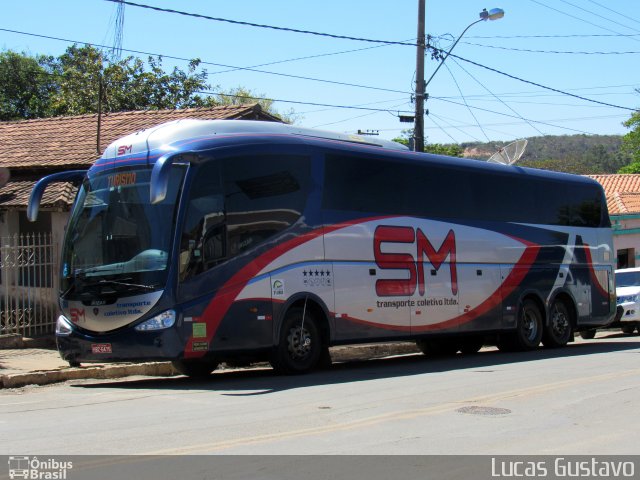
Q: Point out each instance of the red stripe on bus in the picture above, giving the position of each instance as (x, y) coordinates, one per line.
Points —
(512, 281)
(221, 303)
(592, 273)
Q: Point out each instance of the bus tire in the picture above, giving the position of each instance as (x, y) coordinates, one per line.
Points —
(558, 332)
(300, 344)
(528, 332)
(438, 347)
(195, 368)
(588, 334)
(628, 329)
(471, 345)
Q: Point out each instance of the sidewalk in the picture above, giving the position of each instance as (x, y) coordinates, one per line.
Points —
(36, 362)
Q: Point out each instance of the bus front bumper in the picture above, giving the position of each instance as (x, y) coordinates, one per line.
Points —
(125, 345)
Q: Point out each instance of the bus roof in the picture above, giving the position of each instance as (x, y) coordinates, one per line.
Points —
(168, 133)
(165, 137)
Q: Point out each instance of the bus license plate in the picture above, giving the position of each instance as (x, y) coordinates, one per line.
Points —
(101, 348)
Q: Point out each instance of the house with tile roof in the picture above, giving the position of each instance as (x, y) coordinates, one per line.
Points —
(32, 149)
(623, 201)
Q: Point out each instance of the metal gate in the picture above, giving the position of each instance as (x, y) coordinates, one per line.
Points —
(28, 300)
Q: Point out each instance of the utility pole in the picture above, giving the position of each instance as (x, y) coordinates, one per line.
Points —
(418, 129)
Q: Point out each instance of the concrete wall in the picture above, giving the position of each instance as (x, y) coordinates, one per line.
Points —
(626, 235)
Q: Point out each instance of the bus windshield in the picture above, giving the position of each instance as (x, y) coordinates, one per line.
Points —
(117, 242)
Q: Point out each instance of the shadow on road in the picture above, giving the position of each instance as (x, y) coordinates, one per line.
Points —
(262, 381)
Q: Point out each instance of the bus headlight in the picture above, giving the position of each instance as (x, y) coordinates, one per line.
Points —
(159, 322)
(63, 327)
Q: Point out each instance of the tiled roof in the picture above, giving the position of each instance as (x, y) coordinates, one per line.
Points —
(30, 147)
(15, 194)
(71, 142)
(622, 191)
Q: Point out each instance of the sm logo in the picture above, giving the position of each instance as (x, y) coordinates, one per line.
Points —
(124, 149)
(77, 315)
(414, 265)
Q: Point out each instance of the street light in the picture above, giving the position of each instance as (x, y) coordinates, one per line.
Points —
(418, 135)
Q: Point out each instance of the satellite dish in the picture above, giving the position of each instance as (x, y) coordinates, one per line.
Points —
(4, 176)
(510, 154)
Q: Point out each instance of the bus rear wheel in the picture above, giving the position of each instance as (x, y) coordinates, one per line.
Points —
(588, 334)
(528, 332)
(559, 331)
(196, 368)
(300, 344)
(438, 347)
(471, 345)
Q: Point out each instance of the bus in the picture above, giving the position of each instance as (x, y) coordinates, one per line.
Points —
(209, 241)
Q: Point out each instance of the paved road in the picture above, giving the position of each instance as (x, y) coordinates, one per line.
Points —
(582, 399)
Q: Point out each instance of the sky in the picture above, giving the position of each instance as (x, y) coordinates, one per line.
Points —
(491, 88)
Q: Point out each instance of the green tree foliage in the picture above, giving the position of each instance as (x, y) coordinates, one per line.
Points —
(74, 82)
(25, 87)
(449, 149)
(579, 154)
(631, 143)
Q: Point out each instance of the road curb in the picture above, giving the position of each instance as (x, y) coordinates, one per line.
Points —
(152, 369)
(165, 369)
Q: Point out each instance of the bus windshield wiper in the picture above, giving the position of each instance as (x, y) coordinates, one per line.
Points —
(125, 284)
(119, 283)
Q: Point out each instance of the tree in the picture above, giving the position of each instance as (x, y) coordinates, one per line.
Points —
(450, 149)
(25, 87)
(80, 79)
(631, 143)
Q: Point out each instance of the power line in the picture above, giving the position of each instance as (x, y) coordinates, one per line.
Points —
(234, 67)
(300, 58)
(575, 35)
(537, 84)
(598, 15)
(606, 7)
(447, 133)
(465, 102)
(298, 102)
(496, 97)
(316, 79)
(577, 18)
(259, 25)
(548, 51)
(513, 116)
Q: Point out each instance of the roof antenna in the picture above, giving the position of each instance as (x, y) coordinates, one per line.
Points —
(116, 50)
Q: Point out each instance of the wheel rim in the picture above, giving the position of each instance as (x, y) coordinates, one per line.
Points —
(559, 322)
(530, 325)
(299, 343)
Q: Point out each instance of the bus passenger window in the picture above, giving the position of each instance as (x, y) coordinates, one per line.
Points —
(237, 203)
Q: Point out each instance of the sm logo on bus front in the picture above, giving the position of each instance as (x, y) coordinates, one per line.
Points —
(414, 265)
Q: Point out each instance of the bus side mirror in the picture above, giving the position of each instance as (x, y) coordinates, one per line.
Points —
(160, 179)
(38, 190)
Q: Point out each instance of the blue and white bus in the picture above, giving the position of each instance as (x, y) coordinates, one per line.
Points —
(203, 242)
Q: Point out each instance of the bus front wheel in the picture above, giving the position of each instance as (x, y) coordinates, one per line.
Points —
(300, 344)
(195, 368)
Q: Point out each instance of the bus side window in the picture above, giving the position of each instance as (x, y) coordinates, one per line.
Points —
(214, 248)
(203, 236)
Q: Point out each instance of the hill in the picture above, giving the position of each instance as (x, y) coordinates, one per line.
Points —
(581, 154)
